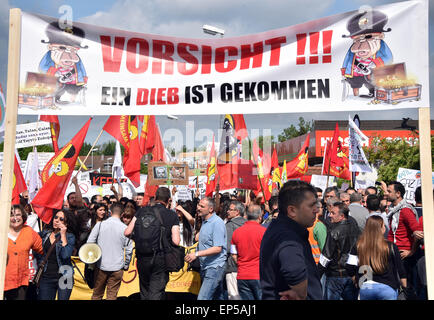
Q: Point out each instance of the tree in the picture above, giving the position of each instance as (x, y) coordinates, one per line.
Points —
(292, 132)
(390, 155)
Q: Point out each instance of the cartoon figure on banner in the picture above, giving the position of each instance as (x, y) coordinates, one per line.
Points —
(368, 51)
(63, 62)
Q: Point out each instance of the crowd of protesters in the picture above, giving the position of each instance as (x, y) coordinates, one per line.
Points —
(302, 243)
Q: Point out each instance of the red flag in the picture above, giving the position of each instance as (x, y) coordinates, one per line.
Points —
(297, 167)
(274, 177)
(158, 154)
(336, 162)
(211, 172)
(56, 175)
(263, 166)
(125, 130)
(228, 158)
(18, 183)
(148, 133)
(54, 128)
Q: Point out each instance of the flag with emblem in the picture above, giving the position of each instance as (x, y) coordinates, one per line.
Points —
(228, 157)
(297, 167)
(336, 162)
(147, 134)
(125, 130)
(56, 175)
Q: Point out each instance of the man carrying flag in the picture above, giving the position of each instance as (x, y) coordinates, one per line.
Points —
(56, 175)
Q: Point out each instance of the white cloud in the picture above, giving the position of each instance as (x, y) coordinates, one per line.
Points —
(185, 18)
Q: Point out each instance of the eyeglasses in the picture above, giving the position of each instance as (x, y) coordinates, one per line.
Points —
(59, 218)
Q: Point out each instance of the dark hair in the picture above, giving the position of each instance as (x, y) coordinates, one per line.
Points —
(117, 206)
(94, 217)
(418, 195)
(93, 199)
(318, 189)
(330, 189)
(70, 221)
(398, 187)
(373, 202)
(274, 200)
(350, 188)
(70, 194)
(293, 193)
(124, 200)
(343, 209)
(372, 188)
(141, 194)
(162, 194)
(23, 212)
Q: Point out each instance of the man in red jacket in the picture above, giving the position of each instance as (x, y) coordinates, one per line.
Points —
(404, 226)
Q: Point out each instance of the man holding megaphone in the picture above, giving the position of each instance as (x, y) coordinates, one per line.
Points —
(109, 235)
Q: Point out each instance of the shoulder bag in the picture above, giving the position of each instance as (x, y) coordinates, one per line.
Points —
(37, 278)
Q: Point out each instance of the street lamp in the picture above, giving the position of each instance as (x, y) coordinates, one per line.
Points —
(212, 30)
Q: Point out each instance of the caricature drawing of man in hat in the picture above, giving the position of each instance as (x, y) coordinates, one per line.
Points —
(62, 60)
(368, 50)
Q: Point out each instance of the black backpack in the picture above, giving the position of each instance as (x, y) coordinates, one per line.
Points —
(148, 232)
(150, 237)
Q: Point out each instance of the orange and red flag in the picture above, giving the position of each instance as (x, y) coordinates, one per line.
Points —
(297, 167)
(54, 128)
(56, 175)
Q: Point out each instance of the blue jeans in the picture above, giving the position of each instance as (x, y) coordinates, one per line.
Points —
(48, 287)
(377, 291)
(212, 282)
(249, 289)
(337, 288)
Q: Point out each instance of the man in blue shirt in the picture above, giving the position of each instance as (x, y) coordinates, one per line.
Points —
(287, 268)
(211, 250)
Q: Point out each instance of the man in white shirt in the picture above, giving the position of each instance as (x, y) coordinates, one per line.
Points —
(109, 235)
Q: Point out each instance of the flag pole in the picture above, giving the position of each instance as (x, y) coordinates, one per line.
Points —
(96, 140)
(260, 182)
(427, 195)
(9, 137)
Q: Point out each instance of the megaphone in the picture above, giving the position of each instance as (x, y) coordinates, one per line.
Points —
(89, 253)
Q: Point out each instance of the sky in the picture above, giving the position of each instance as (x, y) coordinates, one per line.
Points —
(184, 18)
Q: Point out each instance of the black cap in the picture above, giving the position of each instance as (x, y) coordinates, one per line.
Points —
(367, 22)
(71, 36)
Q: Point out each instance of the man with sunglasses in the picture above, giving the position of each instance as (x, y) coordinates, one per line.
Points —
(341, 237)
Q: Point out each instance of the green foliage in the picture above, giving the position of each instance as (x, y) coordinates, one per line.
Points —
(390, 155)
(143, 168)
(292, 131)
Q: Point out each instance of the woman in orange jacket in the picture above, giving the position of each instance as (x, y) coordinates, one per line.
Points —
(21, 239)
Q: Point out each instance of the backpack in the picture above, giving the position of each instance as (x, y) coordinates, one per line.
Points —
(150, 237)
(148, 232)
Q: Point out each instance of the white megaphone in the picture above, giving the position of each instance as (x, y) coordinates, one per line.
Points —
(89, 253)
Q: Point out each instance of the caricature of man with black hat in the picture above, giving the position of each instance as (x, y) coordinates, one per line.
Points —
(62, 60)
(368, 50)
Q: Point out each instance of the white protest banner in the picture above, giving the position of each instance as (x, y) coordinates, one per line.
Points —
(411, 180)
(320, 181)
(309, 67)
(32, 134)
(357, 158)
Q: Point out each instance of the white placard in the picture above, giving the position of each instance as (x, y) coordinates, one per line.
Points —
(32, 134)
